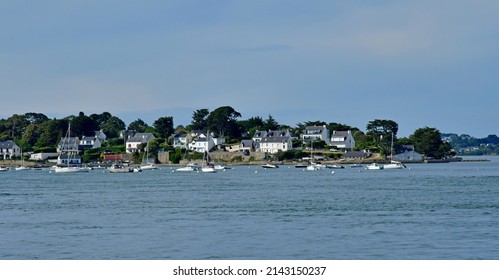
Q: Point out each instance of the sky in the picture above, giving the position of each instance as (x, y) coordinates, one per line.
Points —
(421, 63)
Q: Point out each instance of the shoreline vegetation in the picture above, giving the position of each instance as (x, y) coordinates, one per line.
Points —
(36, 133)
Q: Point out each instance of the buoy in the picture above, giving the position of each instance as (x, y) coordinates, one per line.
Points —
(256, 171)
(332, 172)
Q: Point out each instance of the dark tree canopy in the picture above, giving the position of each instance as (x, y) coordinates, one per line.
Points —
(428, 142)
(83, 126)
(138, 125)
(113, 126)
(199, 119)
(382, 133)
(164, 127)
(222, 121)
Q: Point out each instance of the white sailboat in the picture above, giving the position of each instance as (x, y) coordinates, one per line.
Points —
(208, 167)
(70, 155)
(22, 167)
(393, 163)
(313, 166)
(151, 166)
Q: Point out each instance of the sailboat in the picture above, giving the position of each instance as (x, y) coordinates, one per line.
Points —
(70, 155)
(151, 166)
(22, 167)
(393, 163)
(208, 168)
(313, 166)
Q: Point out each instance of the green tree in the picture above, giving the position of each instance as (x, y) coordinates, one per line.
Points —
(250, 126)
(36, 118)
(164, 127)
(112, 127)
(270, 124)
(32, 133)
(200, 119)
(223, 122)
(428, 141)
(138, 125)
(83, 126)
(382, 133)
(101, 119)
(341, 127)
(52, 132)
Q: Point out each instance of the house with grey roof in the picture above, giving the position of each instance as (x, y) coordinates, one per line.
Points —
(133, 143)
(342, 140)
(180, 141)
(260, 135)
(9, 149)
(90, 142)
(407, 153)
(316, 133)
(69, 145)
(272, 145)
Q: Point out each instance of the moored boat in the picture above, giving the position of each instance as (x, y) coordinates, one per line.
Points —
(269, 166)
(120, 168)
(192, 167)
(374, 166)
(394, 165)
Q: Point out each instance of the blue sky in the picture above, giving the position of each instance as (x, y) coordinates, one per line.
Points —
(419, 63)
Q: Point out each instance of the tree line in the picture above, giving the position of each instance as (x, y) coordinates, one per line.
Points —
(37, 132)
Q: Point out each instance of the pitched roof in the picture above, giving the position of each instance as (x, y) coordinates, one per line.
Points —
(260, 133)
(275, 139)
(9, 144)
(141, 137)
(341, 133)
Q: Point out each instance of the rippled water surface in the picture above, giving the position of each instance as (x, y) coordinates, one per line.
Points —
(428, 211)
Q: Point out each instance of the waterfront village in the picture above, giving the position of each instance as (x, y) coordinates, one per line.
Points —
(315, 143)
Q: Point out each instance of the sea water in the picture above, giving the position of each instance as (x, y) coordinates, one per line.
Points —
(427, 211)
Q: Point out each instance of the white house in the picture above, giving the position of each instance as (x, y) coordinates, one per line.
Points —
(316, 133)
(180, 141)
(260, 135)
(202, 143)
(42, 156)
(88, 142)
(343, 140)
(9, 149)
(273, 144)
(133, 143)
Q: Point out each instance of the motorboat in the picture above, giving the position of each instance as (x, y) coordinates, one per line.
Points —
(22, 168)
(394, 165)
(192, 167)
(374, 166)
(120, 168)
(335, 166)
(269, 166)
(70, 169)
(221, 166)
